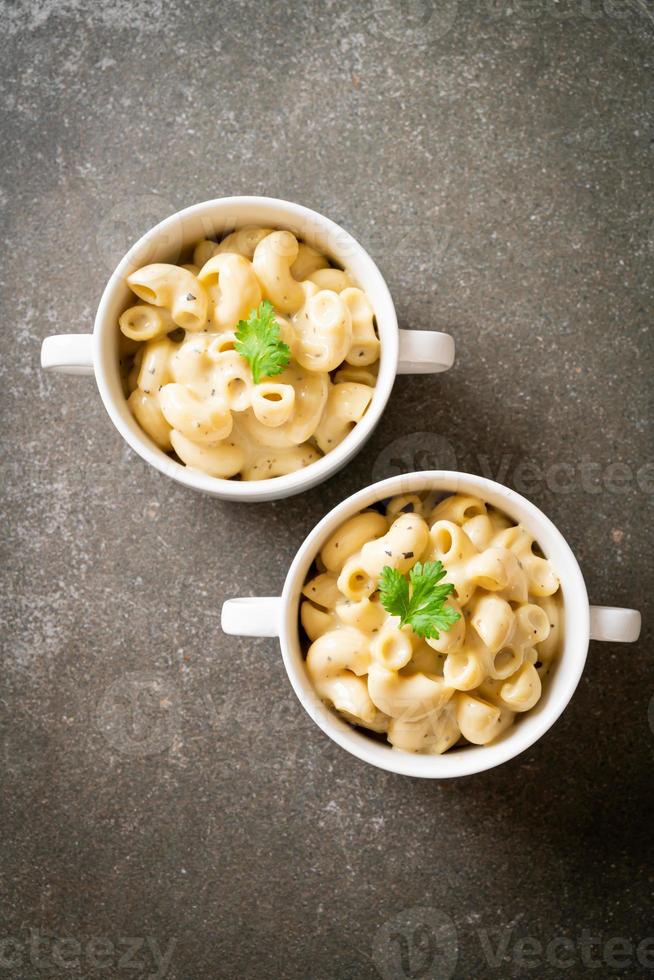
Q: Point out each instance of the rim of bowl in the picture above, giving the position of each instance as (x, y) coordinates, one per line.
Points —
(563, 680)
(281, 486)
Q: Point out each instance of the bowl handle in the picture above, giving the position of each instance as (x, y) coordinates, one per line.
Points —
(68, 353)
(614, 625)
(425, 352)
(252, 616)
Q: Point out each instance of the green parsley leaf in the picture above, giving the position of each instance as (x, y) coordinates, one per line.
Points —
(394, 592)
(422, 606)
(258, 341)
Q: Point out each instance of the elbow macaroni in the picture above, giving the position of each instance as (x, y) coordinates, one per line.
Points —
(194, 395)
(468, 685)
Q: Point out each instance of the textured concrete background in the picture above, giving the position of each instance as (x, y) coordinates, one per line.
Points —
(159, 779)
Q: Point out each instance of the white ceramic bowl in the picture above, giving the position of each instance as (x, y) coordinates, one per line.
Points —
(278, 616)
(402, 351)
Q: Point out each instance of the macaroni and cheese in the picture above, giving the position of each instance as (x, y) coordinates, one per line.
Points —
(470, 683)
(195, 395)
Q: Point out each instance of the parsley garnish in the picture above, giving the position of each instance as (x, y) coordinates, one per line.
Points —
(258, 341)
(423, 606)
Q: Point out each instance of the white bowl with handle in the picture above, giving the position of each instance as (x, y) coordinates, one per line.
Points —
(278, 616)
(402, 351)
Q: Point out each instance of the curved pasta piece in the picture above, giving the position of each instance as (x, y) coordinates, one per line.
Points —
(482, 528)
(365, 345)
(498, 570)
(310, 399)
(220, 344)
(155, 365)
(379, 723)
(401, 547)
(530, 626)
(519, 691)
(449, 641)
(480, 531)
(465, 669)
(336, 663)
(198, 419)
(354, 582)
(231, 378)
(131, 381)
(146, 322)
(432, 735)
(234, 289)
(222, 460)
(189, 363)
(272, 403)
(452, 546)
(550, 648)
(324, 332)
(273, 258)
(323, 590)
(350, 537)
(410, 698)
(300, 317)
(359, 376)
(506, 662)
(308, 261)
(406, 503)
(366, 614)
(270, 462)
(335, 279)
(493, 619)
(522, 690)
(287, 334)
(458, 508)
(480, 721)
(392, 646)
(346, 405)
(243, 241)
(541, 577)
(175, 288)
(315, 622)
(145, 409)
(424, 660)
(203, 251)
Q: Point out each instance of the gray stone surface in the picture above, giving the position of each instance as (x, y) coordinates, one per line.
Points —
(496, 159)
